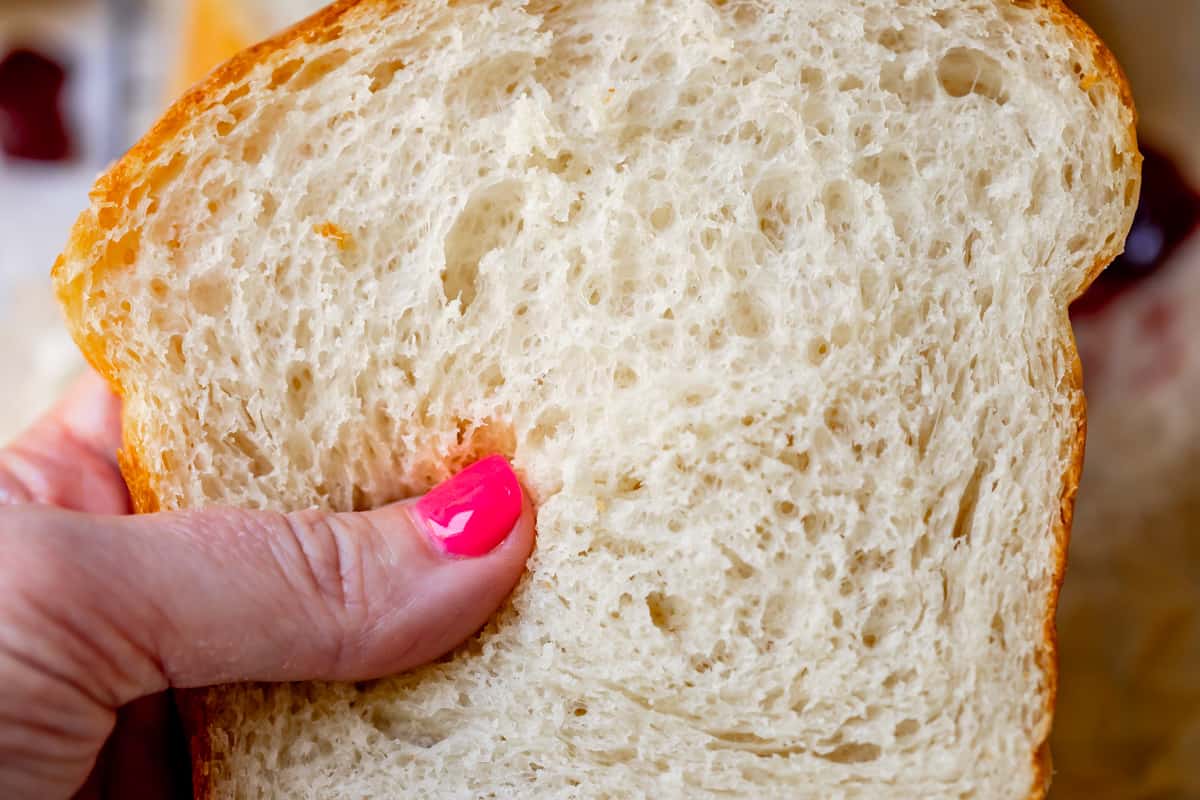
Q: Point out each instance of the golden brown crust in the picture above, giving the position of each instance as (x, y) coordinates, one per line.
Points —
(112, 191)
(137, 478)
(1111, 69)
(1061, 531)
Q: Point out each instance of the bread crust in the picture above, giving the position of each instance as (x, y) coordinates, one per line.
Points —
(1114, 74)
(113, 189)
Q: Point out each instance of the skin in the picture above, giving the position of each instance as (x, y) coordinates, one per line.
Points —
(102, 613)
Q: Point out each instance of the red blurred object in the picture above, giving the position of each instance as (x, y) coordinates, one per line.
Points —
(31, 120)
(1168, 213)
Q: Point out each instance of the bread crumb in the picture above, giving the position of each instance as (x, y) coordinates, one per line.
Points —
(338, 234)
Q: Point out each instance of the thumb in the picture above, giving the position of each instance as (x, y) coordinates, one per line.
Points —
(221, 596)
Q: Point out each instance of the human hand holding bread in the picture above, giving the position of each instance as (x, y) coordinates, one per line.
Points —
(102, 612)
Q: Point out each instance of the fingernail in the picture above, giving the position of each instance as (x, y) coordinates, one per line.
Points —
(473, 512)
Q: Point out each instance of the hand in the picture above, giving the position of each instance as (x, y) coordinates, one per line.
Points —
(100, 613)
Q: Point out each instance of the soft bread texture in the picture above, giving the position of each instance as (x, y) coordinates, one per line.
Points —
(766, 301)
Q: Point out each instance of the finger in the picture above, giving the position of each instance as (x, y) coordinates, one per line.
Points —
(68, 457)
(223, 596)
(91, 415)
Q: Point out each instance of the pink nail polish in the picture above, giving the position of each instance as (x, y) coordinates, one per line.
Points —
(473, 512)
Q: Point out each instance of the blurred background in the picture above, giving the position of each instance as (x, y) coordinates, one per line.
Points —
(81, 79)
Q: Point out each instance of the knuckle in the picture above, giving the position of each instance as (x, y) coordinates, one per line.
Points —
(32, 562)
(14, 491)
(55, 616)
(330, 566)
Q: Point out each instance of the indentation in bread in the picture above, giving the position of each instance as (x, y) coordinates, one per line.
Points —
(767, 302)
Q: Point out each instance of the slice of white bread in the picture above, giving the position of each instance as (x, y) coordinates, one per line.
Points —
(767, 302)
